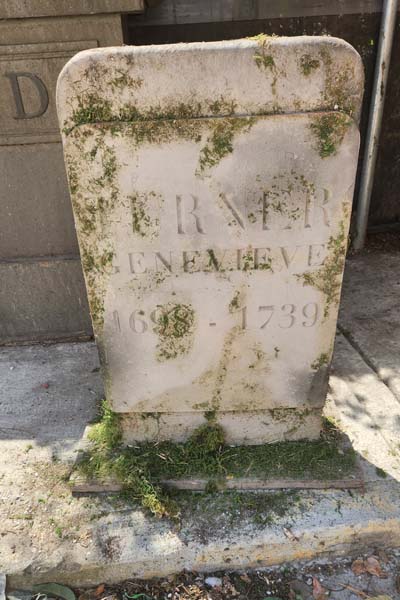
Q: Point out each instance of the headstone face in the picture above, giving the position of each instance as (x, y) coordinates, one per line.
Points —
(212, 187)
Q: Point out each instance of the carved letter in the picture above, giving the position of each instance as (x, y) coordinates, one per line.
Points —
(312, 203)
(180, 215)
(264, 211)
(159, 258)
(19, 103)
(136, 264)
(214, 260)
(314, 255)
(189, 261)
(232, 210)
(324, 201)
(116, 322)
(262, 258)
(288, 259)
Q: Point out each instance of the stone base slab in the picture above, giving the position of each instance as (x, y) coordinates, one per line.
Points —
(125, 544)
(253, 427)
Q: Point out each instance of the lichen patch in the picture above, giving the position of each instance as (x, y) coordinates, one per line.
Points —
(144, 222)
(329, 130)
(328, 278)
(175, 329)
(308, 64)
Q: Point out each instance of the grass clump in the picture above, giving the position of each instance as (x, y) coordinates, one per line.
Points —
(106, 433)
(142, 469)
(107, 458)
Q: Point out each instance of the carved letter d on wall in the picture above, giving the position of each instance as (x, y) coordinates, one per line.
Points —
(19, 103)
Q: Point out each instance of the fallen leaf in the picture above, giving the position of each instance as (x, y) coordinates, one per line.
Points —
(99, 590)
(319, 592)
(54, 590)
(358, 567)
(373, 567)
(299, 590)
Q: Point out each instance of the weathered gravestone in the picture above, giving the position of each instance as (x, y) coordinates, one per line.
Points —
(212, 187)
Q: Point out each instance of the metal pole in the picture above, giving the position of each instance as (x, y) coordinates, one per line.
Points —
(388, 23)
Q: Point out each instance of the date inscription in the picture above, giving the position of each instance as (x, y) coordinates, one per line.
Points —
(283, 316)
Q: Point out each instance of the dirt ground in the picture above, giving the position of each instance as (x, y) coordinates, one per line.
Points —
(369, 577)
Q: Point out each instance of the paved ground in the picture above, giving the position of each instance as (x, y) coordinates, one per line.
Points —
(50, 393)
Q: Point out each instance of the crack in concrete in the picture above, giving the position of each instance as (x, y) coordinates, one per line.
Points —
(350, 338)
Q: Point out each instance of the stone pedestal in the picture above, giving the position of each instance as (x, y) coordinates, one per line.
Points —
(212, 187)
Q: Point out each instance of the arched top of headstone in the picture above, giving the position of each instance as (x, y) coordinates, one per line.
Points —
(261, 75)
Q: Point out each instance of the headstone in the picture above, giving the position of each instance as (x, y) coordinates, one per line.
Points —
(212, 186)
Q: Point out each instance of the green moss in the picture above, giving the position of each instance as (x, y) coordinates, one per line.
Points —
(234, 303)
(221, 107)
(123, 79)
(106, 434)
(278, 198)
(248, 261)
(157, 126)
(308, 64)
(336, 83)
(142, 223)
(142, 468)
(220, 141)
(327, 279)
(92, 211)
(216, 511)
(261, 58)
(95, 267)
(175, 326)
(206, 439)
(264, 60)
(329, 130)
(323, 359)
(94, 109)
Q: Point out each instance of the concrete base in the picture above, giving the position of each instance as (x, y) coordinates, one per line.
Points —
(258, 427)
(124, 544)
(51, 394)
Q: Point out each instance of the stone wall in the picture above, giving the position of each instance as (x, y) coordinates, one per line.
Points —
(42, 294)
